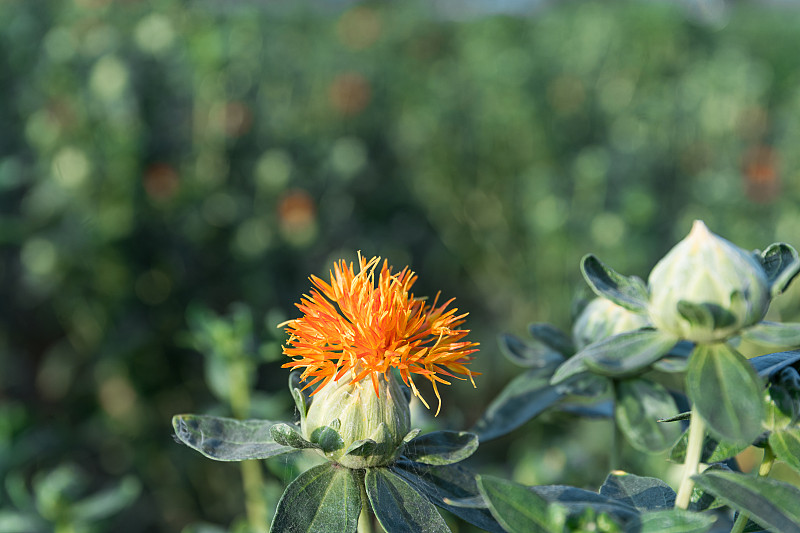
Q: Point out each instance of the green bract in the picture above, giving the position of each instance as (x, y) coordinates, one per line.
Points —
(706, 289)
(602, 318)
(355, 427)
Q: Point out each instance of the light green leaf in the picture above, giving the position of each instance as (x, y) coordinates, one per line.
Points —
(398, 506)
(640, 404)
(771, 503)
(714, 451)
(726, 392)
(786, 445)
(629, 292)
(228, 439)
(621, 355)
(775, 334)
(441, 447)
(643, 493)
(676, 521)
(324, 499)
(514, 506)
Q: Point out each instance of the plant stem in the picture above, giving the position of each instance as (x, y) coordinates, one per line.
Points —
(763, 471)
(694, 450)
(616, 434)
(252, 477)
(364, 519)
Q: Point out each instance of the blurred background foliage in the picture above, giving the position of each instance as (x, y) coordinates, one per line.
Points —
(162, 160)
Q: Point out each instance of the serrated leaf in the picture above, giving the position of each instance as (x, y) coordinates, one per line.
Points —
(781, 264)
(771, 503)
(441, 447)
(324, 499)
(676, 521)
(444, 484)
(775, 334)
(640, 404)
(521, 400)
(288, 435)
(398, 506)
(786, 446)
(726, 392)
(526, 354)
(228, 439)
(514, 506)
(621, 355)
(552, 337)
(629, 292)
(643, 493)
(771, 363)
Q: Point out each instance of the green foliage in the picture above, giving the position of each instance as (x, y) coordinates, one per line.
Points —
(227, 439)
(398, 506)
(638, 407)
(726, 391)
(629, 292)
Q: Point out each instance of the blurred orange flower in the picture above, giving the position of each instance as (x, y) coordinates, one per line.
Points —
(353, 326)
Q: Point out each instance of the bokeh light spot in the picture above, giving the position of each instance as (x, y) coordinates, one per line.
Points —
(297, 214)
(349, 93)
(109, 78)
(359, 28)
(348, 156)
(39, 256)
(154, 34)
(273, 169)
(70, 167)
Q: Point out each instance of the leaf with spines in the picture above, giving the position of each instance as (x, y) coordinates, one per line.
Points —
(629, 292)
(228, 439)
(441, 447)
(771, 503)
(726, 392)
(398, 506)
(781, 264)
(324, 499)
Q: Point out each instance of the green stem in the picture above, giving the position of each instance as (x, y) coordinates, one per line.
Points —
(763, 471)
(616, 434)
(252, 476)
(691, 465)
(364, 519)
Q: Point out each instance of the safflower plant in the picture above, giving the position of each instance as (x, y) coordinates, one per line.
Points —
(362, 339)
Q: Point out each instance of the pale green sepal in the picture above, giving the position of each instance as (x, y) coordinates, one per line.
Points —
(781, 264)
(629, 292)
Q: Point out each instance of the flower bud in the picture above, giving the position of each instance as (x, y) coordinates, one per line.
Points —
(345, 412)
(724, 288)
(602, 318)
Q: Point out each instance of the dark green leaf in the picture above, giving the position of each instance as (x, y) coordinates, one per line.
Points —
(288, 435)
(771, 503)
(576, 501)
(629, 292)
(621, 355)
(781, 264)
(328, 437)
(640, 404)
(726, 392)
(552, 337)
(786, 445)
(677, 418)
(771, 363)
(441, 447)
(363, 448)
(522, 399)
(398, 506)
(774, 334)
(675, 521)
(324, 499)
(643, 493)
(227, 439)
(514, 506)
(442, 485)
(525, 354)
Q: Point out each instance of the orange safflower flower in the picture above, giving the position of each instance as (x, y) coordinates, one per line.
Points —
(351, 325)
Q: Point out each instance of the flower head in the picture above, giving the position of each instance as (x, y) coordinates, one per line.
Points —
(362, 327)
